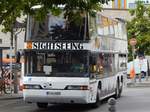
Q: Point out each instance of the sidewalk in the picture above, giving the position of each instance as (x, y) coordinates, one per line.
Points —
(11, 96)
(143, 83)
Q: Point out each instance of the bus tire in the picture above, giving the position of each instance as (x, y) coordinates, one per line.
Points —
(117, 92)
(42, 105)
(97, 103)
(121, 87)
(120, 91)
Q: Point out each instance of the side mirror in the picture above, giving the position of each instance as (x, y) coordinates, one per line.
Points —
(7, 56)
(18, 56)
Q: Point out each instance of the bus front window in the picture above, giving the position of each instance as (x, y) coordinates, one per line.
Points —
(57, 28)
(70, 64)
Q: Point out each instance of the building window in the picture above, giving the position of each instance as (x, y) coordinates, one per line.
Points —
(132, 5)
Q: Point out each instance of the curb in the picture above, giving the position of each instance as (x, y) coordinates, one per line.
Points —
(132, 85)
(11, 97)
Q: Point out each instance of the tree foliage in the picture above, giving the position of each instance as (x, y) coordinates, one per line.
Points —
(139, 28)
(11, 9)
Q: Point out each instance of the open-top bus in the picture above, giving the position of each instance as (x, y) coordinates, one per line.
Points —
(74, 63)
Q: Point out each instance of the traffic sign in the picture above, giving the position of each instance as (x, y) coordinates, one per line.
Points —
(133, 41)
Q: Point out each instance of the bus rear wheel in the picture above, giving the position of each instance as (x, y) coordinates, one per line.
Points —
(117, 94)
(42, 105)
(118, 91)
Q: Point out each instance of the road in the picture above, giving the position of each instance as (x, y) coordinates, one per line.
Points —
(132, 100)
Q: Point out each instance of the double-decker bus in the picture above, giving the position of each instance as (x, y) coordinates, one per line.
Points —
(66, 62)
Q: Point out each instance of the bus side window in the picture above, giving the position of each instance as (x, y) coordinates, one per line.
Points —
(92, 64)
(92, 27)
(122, 62)
(106, 65)
(100, 65)
(97, 65)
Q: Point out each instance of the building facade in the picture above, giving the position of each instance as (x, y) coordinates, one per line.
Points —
(120, 8)
(124, 4)
(5, 42)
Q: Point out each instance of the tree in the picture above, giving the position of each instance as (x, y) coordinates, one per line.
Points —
(139, 27)
(11, 9)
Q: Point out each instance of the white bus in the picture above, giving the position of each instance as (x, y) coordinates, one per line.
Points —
(66, 62)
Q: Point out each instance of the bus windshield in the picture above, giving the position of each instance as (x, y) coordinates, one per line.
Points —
(57, 28)
(57, 64)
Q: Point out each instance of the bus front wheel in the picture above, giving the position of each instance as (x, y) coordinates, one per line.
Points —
(97, 103)
(42, 105)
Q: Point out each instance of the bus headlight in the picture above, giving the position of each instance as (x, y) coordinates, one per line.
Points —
(32, 87)
(77, 87)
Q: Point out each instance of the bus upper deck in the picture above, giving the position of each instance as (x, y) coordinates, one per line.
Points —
(86, 28)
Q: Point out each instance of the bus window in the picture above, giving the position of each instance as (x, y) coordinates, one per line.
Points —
(69, 64)
(113, 65)
(92, 27)
(116, 30)
(97, 65)
(122, 62)
(108, 64)
(28, 62)
(57, 28)
(92, 64)
(100, 65)
(40, 62)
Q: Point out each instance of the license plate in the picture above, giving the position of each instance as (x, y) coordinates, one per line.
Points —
(53, 93)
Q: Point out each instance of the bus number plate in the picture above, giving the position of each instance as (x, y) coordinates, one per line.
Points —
(53, 93)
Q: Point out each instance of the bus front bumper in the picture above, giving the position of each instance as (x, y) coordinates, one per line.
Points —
(56, 96)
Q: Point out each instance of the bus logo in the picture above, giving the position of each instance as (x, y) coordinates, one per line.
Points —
(47, 85)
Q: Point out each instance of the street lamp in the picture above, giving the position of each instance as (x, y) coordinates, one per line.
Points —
(16, 29)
